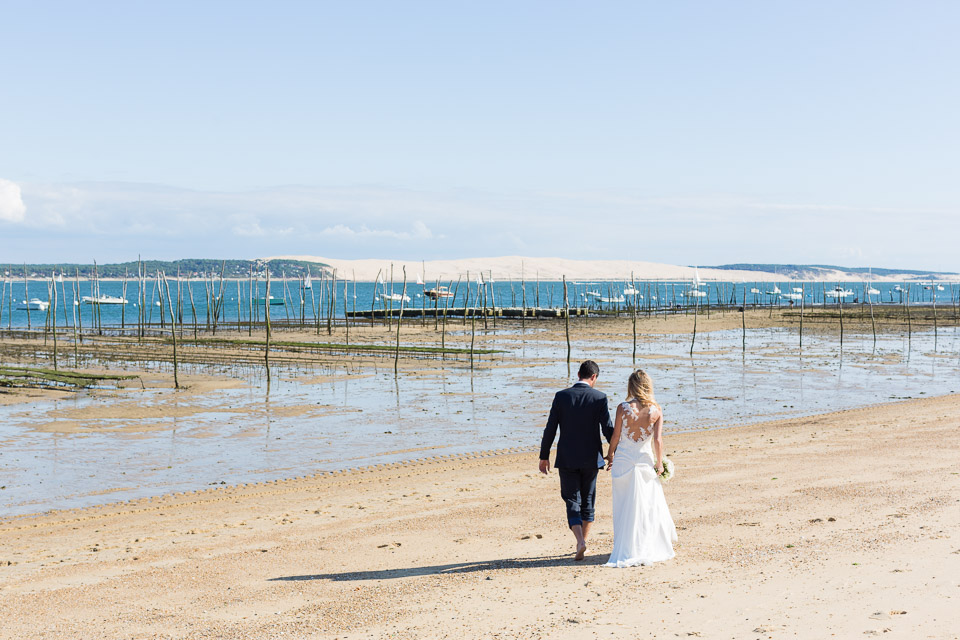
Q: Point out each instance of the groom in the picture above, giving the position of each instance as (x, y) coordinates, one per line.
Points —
(581, 413)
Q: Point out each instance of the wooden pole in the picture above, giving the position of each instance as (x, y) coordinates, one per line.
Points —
(333, 302)
(346, 320)
(802, 299)
(840, 306)
(443, 331)
(373, 299)
(696, 307)
(173, 332)
(633, 283)
(566, 317)
(53, 307)
(466, 298)
(123, 295)
(403, 297)
(26, 295)
(193, 308)
(76, 297)
(76, 338)
(909, 323)
(266, 317)
(493, 301)
(933, 293)
(523, 295)
(743, 319)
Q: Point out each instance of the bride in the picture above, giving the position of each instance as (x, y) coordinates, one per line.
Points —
(643, 530)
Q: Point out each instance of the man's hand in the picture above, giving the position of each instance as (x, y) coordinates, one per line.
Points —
(544, 466)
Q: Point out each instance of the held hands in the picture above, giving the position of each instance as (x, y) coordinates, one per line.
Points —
(544, 466)
(609, 459)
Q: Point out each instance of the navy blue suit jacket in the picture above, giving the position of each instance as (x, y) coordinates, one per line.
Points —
(581, 413)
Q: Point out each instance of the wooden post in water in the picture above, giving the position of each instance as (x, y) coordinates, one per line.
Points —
(346, 319)
(436, 306)
(873, 322)
(802, 298)
(537, 314)
(423, 297)
(840, 306)
(443, 331)
(76, 297)
(53, 307)
(373, 299)
(493, 301)
(403, 296)
(633, 284)
(566, 317)
(333, 302)
(696, 308)
(390, 300)
(76, 338)
(26, 295)
(743, 319)
(266, 317)
(523, 296)
(193, 310)
(473, 326)
(239, 312)
(466, 298)
(123, 306)
(909, 324)
(933, 293)
(173, 331)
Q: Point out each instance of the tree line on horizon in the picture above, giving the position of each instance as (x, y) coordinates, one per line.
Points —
(187, 267)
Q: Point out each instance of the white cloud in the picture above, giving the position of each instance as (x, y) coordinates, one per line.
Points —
(12, 208)
(420, 231)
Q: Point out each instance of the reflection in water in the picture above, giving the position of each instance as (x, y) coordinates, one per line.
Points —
(61, 454)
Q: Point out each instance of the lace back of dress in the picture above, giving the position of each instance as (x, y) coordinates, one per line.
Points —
(629, 424)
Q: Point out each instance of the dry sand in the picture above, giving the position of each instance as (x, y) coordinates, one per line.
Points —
(837, 525)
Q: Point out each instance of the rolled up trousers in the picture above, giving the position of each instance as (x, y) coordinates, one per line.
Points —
(578, 488)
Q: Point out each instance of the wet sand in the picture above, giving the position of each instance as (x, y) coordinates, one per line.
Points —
(845, 523)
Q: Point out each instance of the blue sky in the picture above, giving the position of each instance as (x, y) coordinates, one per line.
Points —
(683, 132)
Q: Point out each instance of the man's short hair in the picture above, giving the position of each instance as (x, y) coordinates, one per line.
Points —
(588, 369)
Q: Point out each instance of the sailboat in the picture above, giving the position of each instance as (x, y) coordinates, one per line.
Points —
(694, 290)
(34, 304)
(103, 299)
(307, 282)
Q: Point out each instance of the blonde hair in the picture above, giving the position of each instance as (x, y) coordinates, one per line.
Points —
(640, 388)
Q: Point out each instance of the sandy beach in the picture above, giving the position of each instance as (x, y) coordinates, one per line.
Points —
(841, 525)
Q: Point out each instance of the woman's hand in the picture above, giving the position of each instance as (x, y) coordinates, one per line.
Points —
(609, 459)
(658, 468)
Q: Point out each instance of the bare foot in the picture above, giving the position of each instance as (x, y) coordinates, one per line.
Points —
(581, 551)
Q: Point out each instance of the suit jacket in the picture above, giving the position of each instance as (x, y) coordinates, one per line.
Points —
(581, 413)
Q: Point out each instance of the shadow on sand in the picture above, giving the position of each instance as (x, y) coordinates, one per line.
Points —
(459, 567)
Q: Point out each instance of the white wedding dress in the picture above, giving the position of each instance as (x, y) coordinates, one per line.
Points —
(643, 530)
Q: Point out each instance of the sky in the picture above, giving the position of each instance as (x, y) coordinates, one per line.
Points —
(680, 132)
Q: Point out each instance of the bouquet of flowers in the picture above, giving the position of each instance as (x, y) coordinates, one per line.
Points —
(669, 469)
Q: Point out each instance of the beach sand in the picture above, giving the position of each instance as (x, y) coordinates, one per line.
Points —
(840, 525)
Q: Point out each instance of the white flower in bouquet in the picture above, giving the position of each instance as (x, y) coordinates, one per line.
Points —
(669, 469)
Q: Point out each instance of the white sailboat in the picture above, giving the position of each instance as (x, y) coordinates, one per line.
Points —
(34, 304)
(103, 299)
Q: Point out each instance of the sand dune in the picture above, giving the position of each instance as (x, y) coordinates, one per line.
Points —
(511, 268)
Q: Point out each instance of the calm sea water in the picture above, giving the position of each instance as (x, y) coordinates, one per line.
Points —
(82, 450)
(362, 296)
